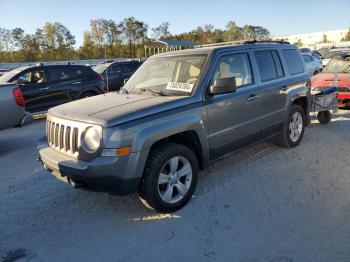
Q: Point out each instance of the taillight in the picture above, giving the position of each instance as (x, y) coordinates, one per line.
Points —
(17, 94)
(100, 77)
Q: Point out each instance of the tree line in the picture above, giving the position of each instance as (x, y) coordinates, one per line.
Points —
(107, 38)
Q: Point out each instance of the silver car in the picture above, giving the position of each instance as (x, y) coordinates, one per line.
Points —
(12, 112)
(312, 64)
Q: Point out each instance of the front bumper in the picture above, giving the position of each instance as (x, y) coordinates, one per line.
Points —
(113, 175)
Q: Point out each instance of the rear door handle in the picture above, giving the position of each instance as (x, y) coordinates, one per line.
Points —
(253, 97)
(44, 88)
(77, 83)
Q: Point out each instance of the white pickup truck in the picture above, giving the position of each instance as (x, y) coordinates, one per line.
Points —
(12, 107)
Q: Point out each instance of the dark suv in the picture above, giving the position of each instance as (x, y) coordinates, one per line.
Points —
(45, 86)
(115, 73)
(178, 113)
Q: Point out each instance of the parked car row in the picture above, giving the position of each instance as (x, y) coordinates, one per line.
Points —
(45, 86)
(336, 73)
(116, 73)
(313, 65)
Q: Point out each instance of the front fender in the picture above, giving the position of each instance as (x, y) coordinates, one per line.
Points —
(163, 129)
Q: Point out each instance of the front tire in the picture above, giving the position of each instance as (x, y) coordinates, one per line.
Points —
(293, 128)
(170, 177)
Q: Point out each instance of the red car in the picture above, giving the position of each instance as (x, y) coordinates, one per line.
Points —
(327, 79)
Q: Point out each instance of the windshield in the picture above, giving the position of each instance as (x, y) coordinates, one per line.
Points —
(167, 75)
(5, 78)
(331, 54)
(337, 65)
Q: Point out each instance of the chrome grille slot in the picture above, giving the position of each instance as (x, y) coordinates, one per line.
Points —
(65, 135)
(61, 138)
(75, 140)
(67, 139)
(56, 135)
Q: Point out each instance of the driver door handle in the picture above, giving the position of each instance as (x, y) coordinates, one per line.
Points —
(45, 88)
(253, 97)
(77, 83)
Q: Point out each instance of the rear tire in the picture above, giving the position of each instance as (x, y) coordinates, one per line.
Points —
(324, 117)
(170, 178)
(293, 128)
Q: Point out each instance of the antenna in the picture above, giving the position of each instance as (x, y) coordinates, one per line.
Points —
(107, 87)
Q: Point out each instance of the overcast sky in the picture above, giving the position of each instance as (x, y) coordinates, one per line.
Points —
(281, 17)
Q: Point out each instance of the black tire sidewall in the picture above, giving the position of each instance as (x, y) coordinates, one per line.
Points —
(324, 117)
(153, 167)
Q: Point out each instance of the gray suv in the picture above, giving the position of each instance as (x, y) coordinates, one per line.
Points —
(178, 113)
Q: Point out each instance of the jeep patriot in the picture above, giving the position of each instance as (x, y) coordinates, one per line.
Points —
(177, 114)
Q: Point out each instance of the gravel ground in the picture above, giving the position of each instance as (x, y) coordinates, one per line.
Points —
(262, 204)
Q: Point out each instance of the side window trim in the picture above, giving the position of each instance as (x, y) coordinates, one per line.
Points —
(217, 60)
(278, 64)
(31, 70)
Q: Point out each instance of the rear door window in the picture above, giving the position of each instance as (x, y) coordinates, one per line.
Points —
(130, 67)
(294, 62)
(61, 74)
(114, 70)
(81, 71)
(269, 64)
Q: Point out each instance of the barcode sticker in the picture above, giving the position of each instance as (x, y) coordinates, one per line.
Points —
(176, 86)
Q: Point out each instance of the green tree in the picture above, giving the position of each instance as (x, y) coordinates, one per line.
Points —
(299, 43)
(134, 32)
(86, 51)
(161, 31)
(324, 39)
(233, 32)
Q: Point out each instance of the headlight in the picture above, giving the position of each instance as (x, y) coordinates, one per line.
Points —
(92, 139)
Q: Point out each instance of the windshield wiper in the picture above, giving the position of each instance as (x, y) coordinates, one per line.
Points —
(160, 93)
(123, 89)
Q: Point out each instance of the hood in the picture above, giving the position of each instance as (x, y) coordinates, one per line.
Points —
(327, 79)
(113, 108)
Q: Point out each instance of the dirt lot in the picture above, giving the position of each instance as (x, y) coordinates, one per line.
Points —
(263, 204)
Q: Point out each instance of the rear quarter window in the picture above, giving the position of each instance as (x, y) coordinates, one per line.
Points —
(82, 70)
(294, 62)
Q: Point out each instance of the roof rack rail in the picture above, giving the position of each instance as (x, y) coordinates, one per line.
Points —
(244, 42)
(266, 42)
(221, 44)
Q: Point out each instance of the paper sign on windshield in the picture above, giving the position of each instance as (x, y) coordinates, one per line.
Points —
(176, 86)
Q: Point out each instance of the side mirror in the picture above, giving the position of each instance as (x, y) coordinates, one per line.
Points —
(126, 80)
(223, 86)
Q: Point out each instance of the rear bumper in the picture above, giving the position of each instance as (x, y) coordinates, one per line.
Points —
(103, 174)
(343, 103)
(27, 119)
